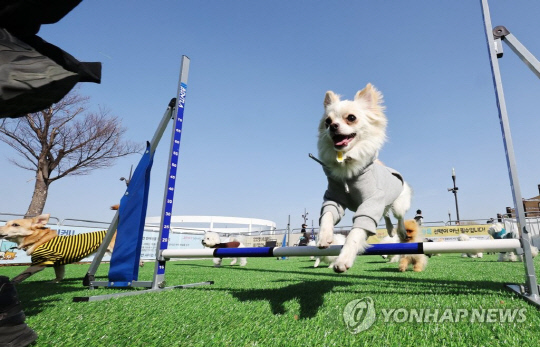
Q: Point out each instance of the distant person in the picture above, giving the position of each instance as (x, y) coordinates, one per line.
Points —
(304, 239)
(418, 218)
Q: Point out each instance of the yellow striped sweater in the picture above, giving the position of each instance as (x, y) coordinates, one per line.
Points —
(67, 249)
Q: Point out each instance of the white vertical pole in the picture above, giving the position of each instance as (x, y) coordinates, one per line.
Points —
(530, 274)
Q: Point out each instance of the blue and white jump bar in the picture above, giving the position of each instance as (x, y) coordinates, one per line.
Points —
(473, 246)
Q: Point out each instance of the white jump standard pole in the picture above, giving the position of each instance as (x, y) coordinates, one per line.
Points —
(507, 245)
(530, 291)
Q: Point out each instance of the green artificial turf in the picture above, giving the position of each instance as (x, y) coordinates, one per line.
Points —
(274, 302)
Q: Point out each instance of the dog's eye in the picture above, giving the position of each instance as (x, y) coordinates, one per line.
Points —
(15, 225)
(351, 118)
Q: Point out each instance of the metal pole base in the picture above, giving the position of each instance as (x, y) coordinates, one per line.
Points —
(521, 290)
(137, 292)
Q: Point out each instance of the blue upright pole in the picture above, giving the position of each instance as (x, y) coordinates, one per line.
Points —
(283, 244)
(178, 114)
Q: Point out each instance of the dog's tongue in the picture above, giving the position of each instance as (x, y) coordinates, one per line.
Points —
(341, 141)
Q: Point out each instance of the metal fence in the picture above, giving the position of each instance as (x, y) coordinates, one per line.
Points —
(533, 225)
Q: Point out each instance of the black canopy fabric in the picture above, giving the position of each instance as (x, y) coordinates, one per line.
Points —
(35, 74)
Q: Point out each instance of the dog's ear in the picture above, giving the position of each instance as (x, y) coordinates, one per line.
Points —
(41, 220)
(370, 95)
(330, 98)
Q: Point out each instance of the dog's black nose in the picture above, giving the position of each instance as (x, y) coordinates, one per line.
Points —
(334, 126)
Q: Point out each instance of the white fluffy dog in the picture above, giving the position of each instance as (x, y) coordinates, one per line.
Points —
(312, 243)
(465, 237)
(498, 231)
(394, 258)
(351, 133)
(212, 240)
(435, 254)
(338, 240)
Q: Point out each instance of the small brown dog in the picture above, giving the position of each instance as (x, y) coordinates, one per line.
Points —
(47, 248)
(418, 261)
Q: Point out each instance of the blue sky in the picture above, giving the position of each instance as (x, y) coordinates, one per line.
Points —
(259, 71)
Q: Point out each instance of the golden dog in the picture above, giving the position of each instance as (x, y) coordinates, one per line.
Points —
(418, 261)
(47, 248)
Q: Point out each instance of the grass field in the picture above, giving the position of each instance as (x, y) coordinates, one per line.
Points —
(286, 303)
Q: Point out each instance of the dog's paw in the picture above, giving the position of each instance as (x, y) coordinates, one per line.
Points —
(403, 264)
(350, 250)
(317, 261)
(217, 262)
(345, 260)
(394, 259)
(342, 266)
(233, 262)
(325, 240)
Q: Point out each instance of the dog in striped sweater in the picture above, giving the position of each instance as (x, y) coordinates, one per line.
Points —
(48, 249)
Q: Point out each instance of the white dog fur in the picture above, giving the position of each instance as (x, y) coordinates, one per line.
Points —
(496, 231)
(361, 127)
(393, 258)
(338, 240)
(212, 240)
(465, 237)
(312, 243)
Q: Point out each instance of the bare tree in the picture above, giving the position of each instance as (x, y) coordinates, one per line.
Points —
(65, 139)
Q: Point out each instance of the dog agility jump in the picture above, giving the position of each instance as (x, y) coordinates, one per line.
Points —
(507, 245)
(128, 264)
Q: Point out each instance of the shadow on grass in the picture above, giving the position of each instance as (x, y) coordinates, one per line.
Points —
(35, 296)
(310, 296)
(391, 281)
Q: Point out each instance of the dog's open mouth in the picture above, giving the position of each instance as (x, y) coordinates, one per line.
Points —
(341, 141)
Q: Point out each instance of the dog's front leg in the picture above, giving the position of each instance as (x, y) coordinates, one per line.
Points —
(27, 273)
(217, 262)
(317, 261)
(326, 232)
(401, 231)
(60, 271)
(403, 264)
(355, 243)
(389, 225)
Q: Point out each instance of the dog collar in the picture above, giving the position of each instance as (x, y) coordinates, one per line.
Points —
(232, 244)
